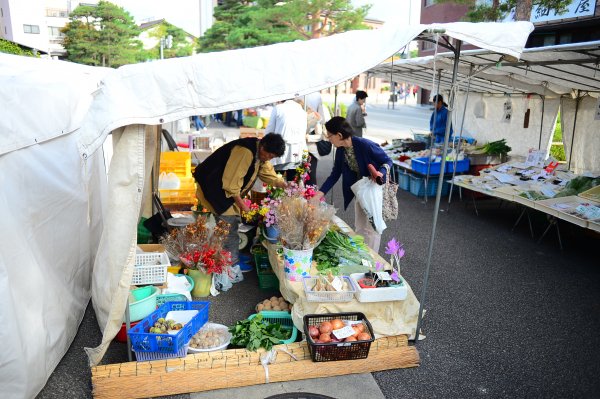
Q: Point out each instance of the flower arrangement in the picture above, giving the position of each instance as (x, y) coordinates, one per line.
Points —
(303, 170)
(396, 252)
(197, 248)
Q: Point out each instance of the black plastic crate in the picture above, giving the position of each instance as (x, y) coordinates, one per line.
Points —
(337, 351)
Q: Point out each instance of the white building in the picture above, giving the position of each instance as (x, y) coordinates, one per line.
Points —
(37, 23)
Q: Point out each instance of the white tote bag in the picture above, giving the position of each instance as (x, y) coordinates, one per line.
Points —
(370, 197)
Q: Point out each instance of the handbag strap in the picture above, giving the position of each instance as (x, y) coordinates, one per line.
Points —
(389, 174)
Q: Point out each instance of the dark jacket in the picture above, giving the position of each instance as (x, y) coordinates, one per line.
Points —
(367, 152)
(209, 174)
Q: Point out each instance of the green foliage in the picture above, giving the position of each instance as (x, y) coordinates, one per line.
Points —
(242, 24)
(181, 45)
(557, 130)
(414, 53)
(257, 333)
(343, 109)
(558, 152)
(104, 35)
(495, 10)
(13, 48)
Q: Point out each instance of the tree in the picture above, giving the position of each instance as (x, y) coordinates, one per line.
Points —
(495, 10)
(103, 35)
(182, 47)
(13, 48)
(241, 24)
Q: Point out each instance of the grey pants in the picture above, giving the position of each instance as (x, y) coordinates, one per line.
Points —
(232, 241)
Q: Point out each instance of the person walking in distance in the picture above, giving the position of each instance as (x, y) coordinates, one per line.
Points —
(356, 113)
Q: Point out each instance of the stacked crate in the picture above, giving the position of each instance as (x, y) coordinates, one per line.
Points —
(179, 163)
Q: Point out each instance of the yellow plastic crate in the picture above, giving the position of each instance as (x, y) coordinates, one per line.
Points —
(179, 163)
(170, 197)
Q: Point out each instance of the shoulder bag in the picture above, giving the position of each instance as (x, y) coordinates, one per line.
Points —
(390, 200)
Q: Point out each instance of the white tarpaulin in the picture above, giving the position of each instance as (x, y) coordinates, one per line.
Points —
(586, 148)
(492, 127)
(55, 186)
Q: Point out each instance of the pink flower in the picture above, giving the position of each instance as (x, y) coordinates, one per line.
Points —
(392, 247)
(378, 266)
(395, 276)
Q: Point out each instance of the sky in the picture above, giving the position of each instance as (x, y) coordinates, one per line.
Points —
(184, 13)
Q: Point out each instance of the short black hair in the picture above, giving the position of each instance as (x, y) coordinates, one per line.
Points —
(437, 98)
(361, 94)
(337, 124)
(273, 143)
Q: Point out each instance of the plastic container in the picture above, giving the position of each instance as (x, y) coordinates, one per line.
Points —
(145, 302)
(380, 294)
(144, 236)
(403, 180)
(150, 268)
(267, 280)
(224, 333)
(283, 318)
(162, 346)
(122, 334)
(327, 296)
(419, 165)
(163, 298)
(417, 186)
(178, 162)
(339, 350)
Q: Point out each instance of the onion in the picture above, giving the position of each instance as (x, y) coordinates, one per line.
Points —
(356, 331)
(325, 338)
(313, 332)
(360, 327)
(325, 327)
(350, 339)
(363, 337)
(336, 324)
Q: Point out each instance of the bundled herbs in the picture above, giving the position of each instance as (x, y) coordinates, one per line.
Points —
(338, 249)
(494, 148)
(257, 333)
(578, 185)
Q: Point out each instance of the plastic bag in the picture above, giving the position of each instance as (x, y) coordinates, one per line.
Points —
(168, 181)
(222, 281)
(235, 274)
(370, 197)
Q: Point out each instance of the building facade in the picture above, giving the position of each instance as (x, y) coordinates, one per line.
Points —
(37, 23)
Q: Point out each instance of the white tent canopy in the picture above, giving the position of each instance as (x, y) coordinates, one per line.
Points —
(549, 73)
(54, 176)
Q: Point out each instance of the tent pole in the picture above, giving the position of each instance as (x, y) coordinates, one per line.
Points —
(439, 189)
(542, 123)
(462, 123)
(156, 166)
(574, 126)
(437, 92)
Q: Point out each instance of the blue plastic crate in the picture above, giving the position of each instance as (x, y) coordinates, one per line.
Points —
(419, 165)
(143, 341)
(417, 187)
(403, 180)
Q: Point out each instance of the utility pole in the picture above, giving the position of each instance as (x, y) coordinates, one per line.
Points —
(165, 42)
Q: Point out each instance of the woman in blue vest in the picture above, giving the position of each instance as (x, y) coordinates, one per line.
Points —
(355, 158)
(437, 125)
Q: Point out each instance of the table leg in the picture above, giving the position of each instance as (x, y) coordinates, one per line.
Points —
(519, 219)
(552, 222)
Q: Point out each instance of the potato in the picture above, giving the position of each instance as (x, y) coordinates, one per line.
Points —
(274, 298)
(267, 306)
(276, 308)
(260, 307)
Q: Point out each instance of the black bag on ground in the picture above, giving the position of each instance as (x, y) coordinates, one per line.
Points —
(323, 147)
(157, 222)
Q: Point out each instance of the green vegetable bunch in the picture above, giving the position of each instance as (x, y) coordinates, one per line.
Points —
(257, 333)
(496, 148)
(337, 246)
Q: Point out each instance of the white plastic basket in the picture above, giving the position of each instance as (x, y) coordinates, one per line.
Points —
(327, 296)
(381, 294)
(150, 268)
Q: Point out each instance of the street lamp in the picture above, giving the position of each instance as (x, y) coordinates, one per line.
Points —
(165, 42)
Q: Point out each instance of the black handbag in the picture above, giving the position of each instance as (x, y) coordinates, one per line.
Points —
(323, 147)
(157, 223)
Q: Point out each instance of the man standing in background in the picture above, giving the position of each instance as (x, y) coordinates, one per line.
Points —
(357, 112)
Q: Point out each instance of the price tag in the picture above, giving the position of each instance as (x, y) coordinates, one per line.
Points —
(548, 192)
(385, 276)
(344, 332)
(581, 209)
(337, 283)
(366, 263)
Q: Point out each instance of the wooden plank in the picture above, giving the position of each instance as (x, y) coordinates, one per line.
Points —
(191, 374)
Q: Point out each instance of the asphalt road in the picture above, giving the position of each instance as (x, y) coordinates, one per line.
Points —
(506, 317)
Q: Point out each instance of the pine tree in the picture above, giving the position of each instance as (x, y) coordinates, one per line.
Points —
(495, 10)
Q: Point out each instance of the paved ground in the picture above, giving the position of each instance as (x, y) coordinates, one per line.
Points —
(507, 317)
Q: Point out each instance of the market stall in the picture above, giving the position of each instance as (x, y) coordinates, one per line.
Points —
(61, 148)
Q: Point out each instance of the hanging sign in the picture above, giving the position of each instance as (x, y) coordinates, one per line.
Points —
(507, 111)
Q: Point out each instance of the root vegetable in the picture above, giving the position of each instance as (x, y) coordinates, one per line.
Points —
(313, 331)
(325, 327)
(276, 308)
(274, 298)
(267, 306)
(336, 324)
(260, 307)
(325, 338)
(363, 336)
(350, 339)
(360, 327)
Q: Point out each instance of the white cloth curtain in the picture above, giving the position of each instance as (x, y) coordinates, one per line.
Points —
(51, 210)
(492, 128)
(586, 142)
(114, 263)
